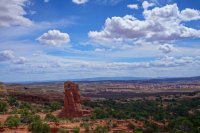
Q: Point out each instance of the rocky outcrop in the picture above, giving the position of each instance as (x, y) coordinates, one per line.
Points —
(72, 102)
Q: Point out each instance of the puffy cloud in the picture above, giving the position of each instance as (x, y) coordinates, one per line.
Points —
(166, 48)
(8, 55)
(161, 2)
(54, 38)
(161, 24)
(79, 1)
(190, 14)
(132, 6)
(146, 5)
(12, 13)
(168, 12)
(20, 60)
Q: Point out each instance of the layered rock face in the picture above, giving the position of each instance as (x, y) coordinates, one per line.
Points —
(72, 101)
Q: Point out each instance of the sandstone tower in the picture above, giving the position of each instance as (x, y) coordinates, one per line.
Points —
(72, 101)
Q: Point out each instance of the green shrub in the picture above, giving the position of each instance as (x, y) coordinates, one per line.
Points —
(25, 105)
(35, 118)
(151, 127)
(12, 101)
(131, 126)
(38, 110)
(1, 125)
(101, 129)
(99, 113)
(138, 130)
(39, 127)
(14, 111)
(12, 121)
(46, 128)
(76, 130)
(181, 124)
(55, 106)
(3, 106)
(29, 118)
(51, 118)
(86, 126)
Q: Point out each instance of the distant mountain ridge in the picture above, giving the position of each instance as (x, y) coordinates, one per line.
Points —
(114, 78)
(125, 79)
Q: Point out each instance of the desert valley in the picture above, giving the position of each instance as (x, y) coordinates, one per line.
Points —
(156, 105)
(99, 66)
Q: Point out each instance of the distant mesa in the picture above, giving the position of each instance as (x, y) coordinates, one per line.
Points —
(72, 102)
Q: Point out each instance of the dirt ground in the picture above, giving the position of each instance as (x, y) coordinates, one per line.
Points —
(121, 125)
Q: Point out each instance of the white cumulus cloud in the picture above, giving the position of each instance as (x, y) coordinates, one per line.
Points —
(12, 13)
(20, 60)
(8, 55)
(190, 14)
(146, 5)
(54, 38)
(166, 48)
(160, 24)
(132, 6)
(80, 1)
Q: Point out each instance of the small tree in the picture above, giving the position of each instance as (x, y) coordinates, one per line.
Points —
(51, 118)
(131, 126)
(39, 127)
(138, 130)
(76, 130)
(181, 124)
(46, 128)
(101, 129)
(3, 106)
(27, 117)
(12, 101)
(12, 121)
(151, 127)
(25, 105)
(86, 126)
(55, 106)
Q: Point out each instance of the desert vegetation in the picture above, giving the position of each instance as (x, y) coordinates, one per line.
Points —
(140, 116)
(160, 114)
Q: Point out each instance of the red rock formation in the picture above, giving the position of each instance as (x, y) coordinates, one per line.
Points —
(72, 101)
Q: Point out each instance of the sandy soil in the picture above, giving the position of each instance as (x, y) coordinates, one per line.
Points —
(3, 117)
(121, 125)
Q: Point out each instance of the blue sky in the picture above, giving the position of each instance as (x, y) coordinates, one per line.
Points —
(73, 39)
